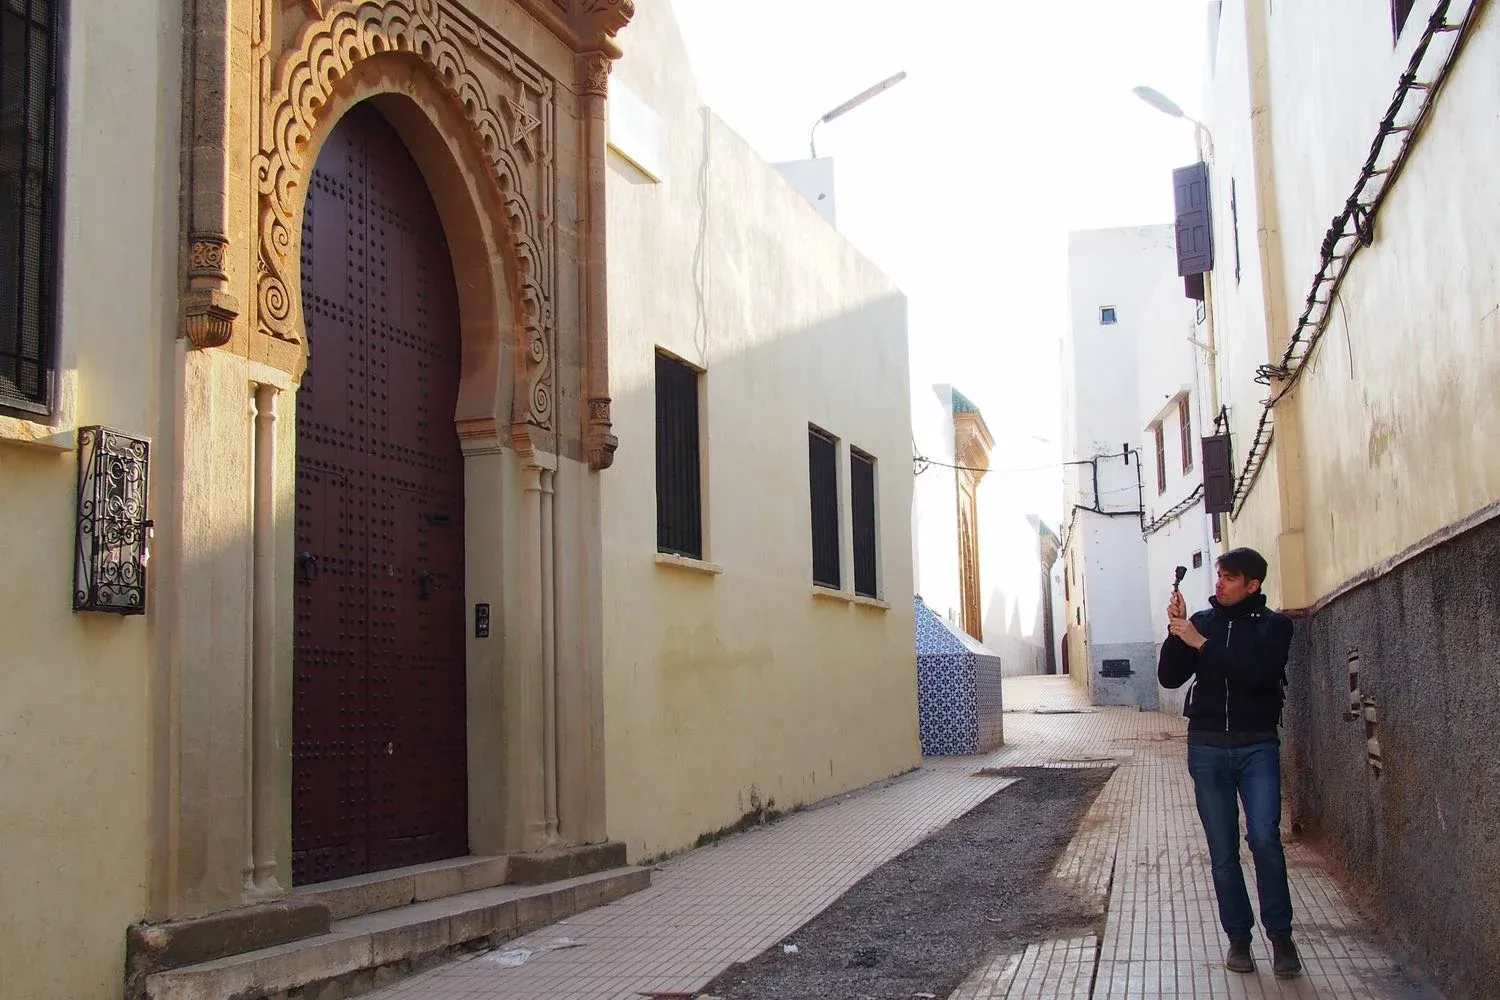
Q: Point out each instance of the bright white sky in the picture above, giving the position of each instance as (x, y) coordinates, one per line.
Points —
(1015, 125)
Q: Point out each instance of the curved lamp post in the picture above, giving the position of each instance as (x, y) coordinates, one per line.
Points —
(851, 104)
(1161, 102)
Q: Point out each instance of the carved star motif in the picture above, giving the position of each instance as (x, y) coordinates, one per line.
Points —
(524, 127)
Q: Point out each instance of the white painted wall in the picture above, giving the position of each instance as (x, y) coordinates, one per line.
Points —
(1404, 377)
(935, 498)
(1109, 376)
(1010, 576)
(734, 681)
(1173, 368)
(813, 179)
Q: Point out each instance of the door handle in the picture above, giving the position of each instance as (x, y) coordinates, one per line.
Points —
(424, 585)
(307, 567)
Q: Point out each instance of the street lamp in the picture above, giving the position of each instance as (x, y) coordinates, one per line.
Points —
(1161, 102)
(851, 104)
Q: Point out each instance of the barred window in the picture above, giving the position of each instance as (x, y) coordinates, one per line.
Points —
(862, 502)
(679, 487)
(823, 483)
(28, 202)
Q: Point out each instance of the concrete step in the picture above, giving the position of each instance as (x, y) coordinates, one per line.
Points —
(350, 897)
(360, 953)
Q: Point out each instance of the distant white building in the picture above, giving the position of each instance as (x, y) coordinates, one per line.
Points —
(1122, 383)
(982, 561)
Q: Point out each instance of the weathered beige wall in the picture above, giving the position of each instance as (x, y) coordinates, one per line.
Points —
(76, 690)
(723, 686)
(1388, 456)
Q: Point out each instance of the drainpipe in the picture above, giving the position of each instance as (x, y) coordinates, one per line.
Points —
(1290, 540)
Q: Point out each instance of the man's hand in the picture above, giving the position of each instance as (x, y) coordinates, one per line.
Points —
(1176, 607)
(1184, 630)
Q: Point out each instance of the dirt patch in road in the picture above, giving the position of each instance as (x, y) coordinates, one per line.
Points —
(924, 920)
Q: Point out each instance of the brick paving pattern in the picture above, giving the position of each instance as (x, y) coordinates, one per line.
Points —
(1139, 851)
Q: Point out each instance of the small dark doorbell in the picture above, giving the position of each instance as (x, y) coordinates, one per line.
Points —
(481, 621)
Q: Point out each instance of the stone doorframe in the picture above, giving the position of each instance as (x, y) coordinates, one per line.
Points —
(502, 105)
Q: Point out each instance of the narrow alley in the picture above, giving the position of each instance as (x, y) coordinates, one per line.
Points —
(1139, 855)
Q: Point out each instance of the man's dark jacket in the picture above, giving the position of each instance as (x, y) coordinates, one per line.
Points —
(1240, 672)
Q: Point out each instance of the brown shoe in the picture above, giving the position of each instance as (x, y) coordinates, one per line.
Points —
(1239, 958)
(1286, 963)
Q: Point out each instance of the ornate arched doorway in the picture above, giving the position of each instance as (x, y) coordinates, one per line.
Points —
(379, 745)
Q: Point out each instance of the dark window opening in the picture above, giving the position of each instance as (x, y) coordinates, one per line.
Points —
(1197, 560)
(1218, 528)
(862, 504)
(823, 487)
(1161, 458)
(679, 482)
(1234, 216)
(1185, 419)
(28, 203)
(1400, 11)
(1107, 316)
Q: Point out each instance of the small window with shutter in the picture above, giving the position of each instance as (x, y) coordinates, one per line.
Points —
(1185, 422)
(1218, 475)
(1195, 245)
(679, 483)
(823, 491)
(1161, 457)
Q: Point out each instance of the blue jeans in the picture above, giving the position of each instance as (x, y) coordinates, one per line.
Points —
(1222, 778)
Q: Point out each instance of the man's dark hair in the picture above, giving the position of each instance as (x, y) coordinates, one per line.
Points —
(1244, 562)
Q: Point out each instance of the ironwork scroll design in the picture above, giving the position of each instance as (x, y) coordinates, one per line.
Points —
(114, 534)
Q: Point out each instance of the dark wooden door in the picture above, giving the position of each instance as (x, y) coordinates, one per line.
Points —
(379, 752)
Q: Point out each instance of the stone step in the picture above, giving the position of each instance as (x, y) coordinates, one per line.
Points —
(350, 897)
(362, 952)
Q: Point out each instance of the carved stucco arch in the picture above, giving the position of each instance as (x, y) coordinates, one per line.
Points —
(312, 91)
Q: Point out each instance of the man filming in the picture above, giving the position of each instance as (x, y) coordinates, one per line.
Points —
(1235, 654)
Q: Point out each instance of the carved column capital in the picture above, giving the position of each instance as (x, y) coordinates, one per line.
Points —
(599, 444)
(593, 74)
(208, 310)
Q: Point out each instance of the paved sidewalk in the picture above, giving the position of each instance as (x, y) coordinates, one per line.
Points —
(1139, 851)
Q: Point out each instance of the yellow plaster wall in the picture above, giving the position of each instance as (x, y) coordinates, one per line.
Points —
(723, 688)
(75, 690)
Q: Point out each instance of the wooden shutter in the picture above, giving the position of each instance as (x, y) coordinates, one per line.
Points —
(1218, 475)
(679, 484)
(862, 513)
(823, 489)
(1195, 246)
(1185, 420)
(1400, 11)
(1161, 459)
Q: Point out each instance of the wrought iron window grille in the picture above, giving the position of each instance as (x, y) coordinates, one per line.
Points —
(113, 534)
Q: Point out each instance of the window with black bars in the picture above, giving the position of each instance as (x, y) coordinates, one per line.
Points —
(28, 202)
(823, 483)
(679, 483)
(862, 510)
